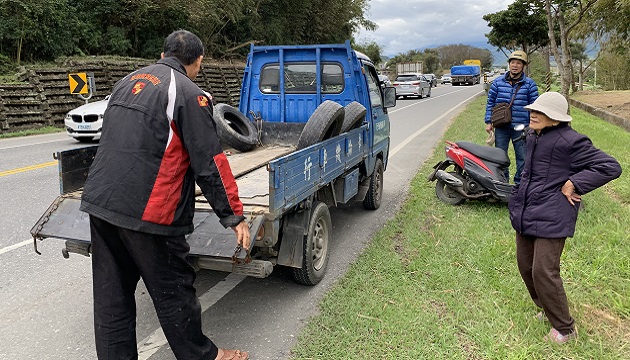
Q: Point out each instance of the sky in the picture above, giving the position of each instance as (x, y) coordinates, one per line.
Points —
(405, 25)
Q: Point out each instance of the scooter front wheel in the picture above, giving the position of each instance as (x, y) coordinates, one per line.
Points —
(446, 194)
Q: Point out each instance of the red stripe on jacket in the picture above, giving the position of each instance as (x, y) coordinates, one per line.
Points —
(229, 184)
(167, 189)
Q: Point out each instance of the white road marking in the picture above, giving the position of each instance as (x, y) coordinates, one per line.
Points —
(31, 144)
(15, 246)
(424, 128)
(151, 344)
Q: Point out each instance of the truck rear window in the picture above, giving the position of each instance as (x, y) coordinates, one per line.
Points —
(301, 78)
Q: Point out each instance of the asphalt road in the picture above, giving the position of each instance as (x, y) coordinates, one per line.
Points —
(46, 300)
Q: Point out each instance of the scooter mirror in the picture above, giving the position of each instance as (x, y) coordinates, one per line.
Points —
(519, 127)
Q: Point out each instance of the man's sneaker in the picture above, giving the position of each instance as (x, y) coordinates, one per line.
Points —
(554, 336)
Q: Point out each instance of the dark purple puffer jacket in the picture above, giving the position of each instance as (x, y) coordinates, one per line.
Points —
(537, 206)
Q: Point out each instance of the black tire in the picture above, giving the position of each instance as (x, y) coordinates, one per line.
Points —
(324, 123)
(448, 195)
(235, 129)
(372, 200)
(315, 259)
(354, 114)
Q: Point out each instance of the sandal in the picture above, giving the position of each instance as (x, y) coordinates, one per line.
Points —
(555, 336)
(233, 354)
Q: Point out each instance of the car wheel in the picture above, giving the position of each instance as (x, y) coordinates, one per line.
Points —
(421, 95)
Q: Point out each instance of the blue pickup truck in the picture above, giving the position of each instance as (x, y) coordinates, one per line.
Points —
(320, 115)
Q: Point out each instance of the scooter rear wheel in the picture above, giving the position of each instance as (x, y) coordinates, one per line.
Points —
(448, 195)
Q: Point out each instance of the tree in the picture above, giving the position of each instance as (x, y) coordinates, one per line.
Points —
(431, 60)
(371, 49)
(520, 27)
(451, 55)
(567, 14)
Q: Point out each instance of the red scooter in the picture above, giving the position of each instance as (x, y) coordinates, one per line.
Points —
(473, 172)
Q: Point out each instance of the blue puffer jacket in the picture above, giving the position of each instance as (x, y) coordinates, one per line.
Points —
(559, 153)
(501, 91)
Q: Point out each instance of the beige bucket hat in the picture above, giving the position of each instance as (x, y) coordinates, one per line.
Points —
(552, 104)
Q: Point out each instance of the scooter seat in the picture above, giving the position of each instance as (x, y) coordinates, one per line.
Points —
(493, 154)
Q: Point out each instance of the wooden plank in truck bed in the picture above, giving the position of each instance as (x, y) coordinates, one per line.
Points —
(242, 163)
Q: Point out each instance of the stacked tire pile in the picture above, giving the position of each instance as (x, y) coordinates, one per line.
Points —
(328, 120)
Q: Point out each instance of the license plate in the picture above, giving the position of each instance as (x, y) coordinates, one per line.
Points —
(84, 127)
(404, 86)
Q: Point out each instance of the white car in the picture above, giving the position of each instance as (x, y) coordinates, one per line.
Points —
(85, 122)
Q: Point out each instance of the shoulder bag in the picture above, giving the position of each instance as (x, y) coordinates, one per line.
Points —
(502, 112)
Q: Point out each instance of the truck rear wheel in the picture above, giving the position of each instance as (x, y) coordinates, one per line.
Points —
(316, 241)
(374, 194)
(324, 123)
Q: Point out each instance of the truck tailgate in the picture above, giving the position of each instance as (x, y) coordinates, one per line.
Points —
(63, 219)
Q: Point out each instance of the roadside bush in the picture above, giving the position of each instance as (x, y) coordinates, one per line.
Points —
(7, 67)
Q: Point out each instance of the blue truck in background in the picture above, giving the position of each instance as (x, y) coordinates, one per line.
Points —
(465, 75)
(322, 128)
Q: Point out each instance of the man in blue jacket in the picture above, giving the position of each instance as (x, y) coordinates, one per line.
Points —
(514, 85)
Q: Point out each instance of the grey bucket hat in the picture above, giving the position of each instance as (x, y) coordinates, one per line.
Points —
(552, 104)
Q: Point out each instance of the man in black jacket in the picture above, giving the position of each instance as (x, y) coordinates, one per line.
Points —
(158, 139)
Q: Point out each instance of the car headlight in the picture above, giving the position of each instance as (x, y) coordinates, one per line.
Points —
(100, 116)
(68, 117)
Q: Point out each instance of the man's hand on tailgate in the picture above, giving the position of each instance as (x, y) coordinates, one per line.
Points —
(242, 234)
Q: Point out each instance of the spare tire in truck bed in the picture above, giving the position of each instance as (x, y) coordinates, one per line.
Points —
(324, 123)
(354, 115)
(235, 129)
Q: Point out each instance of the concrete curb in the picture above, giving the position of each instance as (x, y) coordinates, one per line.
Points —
(605, 115)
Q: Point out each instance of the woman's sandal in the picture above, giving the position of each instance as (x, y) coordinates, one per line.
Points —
(233, 354)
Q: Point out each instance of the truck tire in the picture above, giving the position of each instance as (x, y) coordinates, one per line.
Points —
(316, 242)
(235, 129)
(354, 114)
(372, 200)
(324, 123)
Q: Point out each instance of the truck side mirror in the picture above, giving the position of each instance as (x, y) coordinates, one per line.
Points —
(389, 97)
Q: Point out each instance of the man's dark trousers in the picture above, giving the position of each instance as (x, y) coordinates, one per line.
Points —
(120, 257)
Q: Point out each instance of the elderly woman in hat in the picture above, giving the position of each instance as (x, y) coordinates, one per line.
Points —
(561, 165)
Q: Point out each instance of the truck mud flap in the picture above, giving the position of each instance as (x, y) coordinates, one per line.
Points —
(209, 240)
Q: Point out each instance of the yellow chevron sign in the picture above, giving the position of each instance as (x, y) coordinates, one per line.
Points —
(78, 83)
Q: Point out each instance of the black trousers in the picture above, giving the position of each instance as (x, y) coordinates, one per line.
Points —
(120, 257)
(539, 264)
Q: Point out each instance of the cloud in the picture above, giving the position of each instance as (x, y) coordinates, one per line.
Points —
(405, 25)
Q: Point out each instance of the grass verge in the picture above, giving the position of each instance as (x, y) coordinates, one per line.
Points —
(44, 130)
(441, 282)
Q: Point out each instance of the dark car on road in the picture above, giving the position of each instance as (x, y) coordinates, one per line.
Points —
(432, 79)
